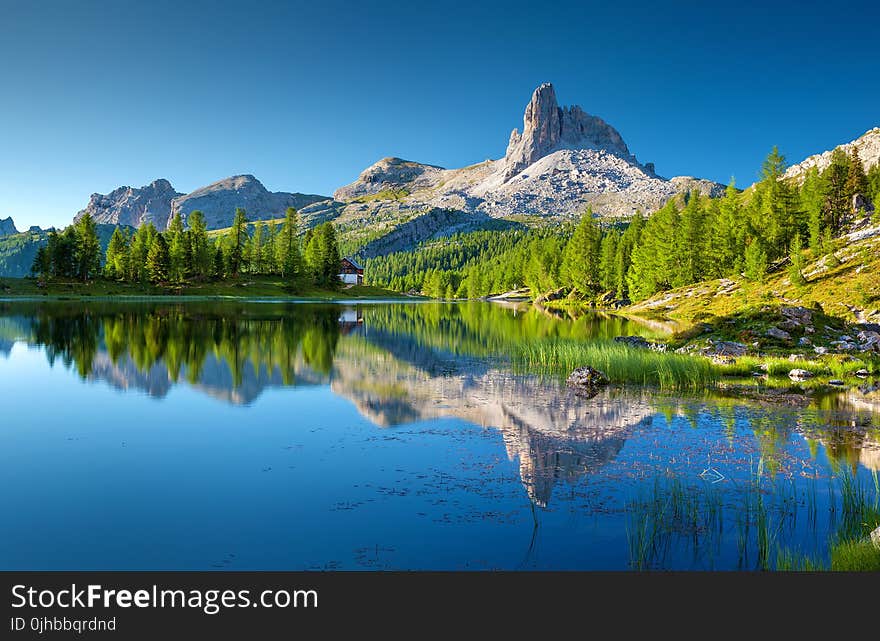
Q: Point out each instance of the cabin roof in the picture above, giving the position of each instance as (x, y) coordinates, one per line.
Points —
(353, 262)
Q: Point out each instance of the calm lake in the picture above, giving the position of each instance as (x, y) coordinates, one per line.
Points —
(389, 436)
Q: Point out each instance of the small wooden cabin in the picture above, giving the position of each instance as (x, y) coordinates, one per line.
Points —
(350, 272)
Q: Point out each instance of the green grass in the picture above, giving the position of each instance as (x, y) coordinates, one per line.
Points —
(620, 363)
(855, 556)
(385, 194)
(830, 366)
(836, 286)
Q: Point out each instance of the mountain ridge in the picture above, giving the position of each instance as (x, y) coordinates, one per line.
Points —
(158, 202)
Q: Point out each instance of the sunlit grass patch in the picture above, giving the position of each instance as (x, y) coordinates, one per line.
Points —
(620, 363)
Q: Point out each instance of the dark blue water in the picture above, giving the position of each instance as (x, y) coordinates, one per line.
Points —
(378, 438)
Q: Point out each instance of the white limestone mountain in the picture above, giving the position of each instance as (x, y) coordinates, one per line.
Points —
(157, 202)
(219, 200)
(867, 146)
(7, 227)
(564, 160)
(132, 206)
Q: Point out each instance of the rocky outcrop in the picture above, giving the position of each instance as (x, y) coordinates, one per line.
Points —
(218, 201)
(390, 175)
(133, 206)
(866, 145)
(548, 127)
(7, 227)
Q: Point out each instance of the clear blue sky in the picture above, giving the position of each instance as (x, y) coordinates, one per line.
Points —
(305, 95)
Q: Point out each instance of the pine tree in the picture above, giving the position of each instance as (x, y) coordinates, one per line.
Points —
(116, 257)
(139, 249)
(756, 262)
(88, 248)
(608, 262)
(287, 252)
(256, 248)
(774, 208)
(268, 256)
(178, 249)
(655, 261)
(728, 233)
(237, 238)
(874, 185)
(42, 265)
(218, 268)
(159, 261)
(200, 251)
(62, 253)
(796, 268)
(691, 243)
(856, 180)
(580, 259)
(837, 200)
(625, 247)
(812, 196)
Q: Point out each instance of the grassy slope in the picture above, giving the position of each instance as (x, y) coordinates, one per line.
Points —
(244, 287)
(850, 290)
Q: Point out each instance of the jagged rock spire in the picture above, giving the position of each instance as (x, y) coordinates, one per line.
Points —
(548, 127)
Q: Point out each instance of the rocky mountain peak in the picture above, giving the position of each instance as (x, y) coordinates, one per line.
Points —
(7, 227)
(547, 127)
(388, 174)
(867, 146)
(218, 201)
(133, 206)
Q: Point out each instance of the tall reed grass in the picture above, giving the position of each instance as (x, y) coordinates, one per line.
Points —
(620, 363)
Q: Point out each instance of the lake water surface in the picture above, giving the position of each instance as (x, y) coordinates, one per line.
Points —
(388, 436)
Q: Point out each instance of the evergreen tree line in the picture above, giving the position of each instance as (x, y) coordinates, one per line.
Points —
(184, 253)
(691, 238)
(748, 234)
(73, 253)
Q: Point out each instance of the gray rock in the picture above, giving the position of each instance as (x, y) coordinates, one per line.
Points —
(157, 203)
(798, 315)
(7, 227)
(861, 203)
(633, 341)
(820, 350)
(836, 382)
(790, 325)
(800, 374)
(867, 146)
(133, 206)
(778, 334)
(803, 341)
(547, 127)
(863, 373)
(219, 200)
(727, 348)
(587, 380)
(875, 538)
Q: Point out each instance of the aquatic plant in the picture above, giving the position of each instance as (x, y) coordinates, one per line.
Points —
(619, 362)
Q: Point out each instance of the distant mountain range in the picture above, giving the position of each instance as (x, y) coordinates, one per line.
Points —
(158, 202)
(562, 161)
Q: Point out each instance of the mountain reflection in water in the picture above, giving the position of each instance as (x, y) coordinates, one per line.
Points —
(397, 364)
